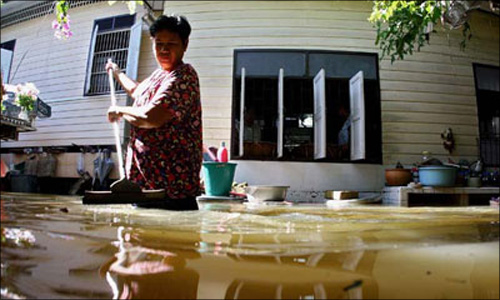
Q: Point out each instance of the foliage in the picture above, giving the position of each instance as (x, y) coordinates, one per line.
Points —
(402, 24)
(132, 5)
(62, 22)
(26, 95)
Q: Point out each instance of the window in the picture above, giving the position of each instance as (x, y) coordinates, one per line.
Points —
(7, 52)
(299, 105)
(487, 82)
(116, 38)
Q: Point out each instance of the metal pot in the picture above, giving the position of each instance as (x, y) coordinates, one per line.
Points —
(259, 193)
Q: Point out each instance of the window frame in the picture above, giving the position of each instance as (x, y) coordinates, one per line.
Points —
(236, 112)
(91, 53)
(9, 46)
(481, 136)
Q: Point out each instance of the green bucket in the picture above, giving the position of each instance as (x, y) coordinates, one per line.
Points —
(218, 178)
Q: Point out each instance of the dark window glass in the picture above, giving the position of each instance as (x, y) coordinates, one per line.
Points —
(106, 24)
(124, 21)
(268, 63)
(8, 45)
(343, 65)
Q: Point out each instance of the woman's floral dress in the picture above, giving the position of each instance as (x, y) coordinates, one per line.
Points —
(170, 156)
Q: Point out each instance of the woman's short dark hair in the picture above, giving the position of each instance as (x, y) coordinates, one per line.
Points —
(172, 23)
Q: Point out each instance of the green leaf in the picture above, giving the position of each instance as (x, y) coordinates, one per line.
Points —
(131, 7)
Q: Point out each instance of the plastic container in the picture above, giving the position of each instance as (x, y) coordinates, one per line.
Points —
(437, 175)
(218, 178)
(222, 155)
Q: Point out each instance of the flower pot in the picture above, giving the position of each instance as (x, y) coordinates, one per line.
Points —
(398, 177)
(23, 114)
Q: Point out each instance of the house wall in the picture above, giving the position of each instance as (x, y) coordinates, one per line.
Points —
(421, 96)
(58, 69)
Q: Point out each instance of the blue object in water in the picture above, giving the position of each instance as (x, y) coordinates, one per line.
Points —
(437, 175)
(218, 178)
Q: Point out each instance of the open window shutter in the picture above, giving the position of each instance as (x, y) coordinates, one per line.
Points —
(242, 111)
(6, 58)
(91, 59)
(134, 49)
(280, 112)
(319, 115)
(357, 102)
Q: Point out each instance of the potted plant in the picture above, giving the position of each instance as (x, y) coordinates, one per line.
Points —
(26, 96)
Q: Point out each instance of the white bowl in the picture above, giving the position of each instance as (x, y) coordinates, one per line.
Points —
(259, 193)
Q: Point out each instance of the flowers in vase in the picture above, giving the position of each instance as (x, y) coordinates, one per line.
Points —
(26, 95)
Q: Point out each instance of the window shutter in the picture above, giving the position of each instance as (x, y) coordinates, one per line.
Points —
(134, 49)
(319, 115)
(357, 102)
(242, 111)
(91, 59)
(280, 112)
(6, 58)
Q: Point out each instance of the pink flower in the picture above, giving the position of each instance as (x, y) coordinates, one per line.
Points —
(57, 34)
(67, 34)
(65, 26)
(55, 24)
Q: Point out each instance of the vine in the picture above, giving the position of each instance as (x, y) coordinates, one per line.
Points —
(61, 24)
(405, 26)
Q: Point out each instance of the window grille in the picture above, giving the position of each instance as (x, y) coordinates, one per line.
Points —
(111, 41)
(110, 44)
(37, 10)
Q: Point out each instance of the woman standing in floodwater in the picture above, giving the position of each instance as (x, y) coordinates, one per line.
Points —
(165, 148)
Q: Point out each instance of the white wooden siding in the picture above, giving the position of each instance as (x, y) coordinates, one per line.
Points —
(58, 69)
(421, 96)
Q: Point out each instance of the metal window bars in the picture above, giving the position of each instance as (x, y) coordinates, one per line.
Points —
(489, 147)
(109, 44)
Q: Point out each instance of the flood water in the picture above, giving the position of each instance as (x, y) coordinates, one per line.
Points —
(55, 247)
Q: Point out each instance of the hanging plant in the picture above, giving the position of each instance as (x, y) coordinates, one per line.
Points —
(62, 23)
(132, 5)
(405, 26)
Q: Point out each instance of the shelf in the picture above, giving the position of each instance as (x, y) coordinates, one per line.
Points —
(10, 127)
(428, 195)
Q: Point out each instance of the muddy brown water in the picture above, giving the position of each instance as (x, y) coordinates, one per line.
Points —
(55, 247)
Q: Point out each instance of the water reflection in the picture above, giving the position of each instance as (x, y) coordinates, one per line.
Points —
(140, 272)
(305, 252)
(258, 290)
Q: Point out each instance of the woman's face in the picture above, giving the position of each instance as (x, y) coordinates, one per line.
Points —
(168, 49)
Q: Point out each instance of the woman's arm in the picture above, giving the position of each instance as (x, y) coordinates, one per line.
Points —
(146, 117)
(126, 82)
